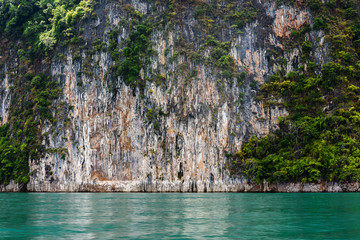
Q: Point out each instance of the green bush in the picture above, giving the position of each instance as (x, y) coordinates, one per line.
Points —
(306, 47)
(320, 24)
(134, 55)
(319, 139)
(247, 13)
(42, 23)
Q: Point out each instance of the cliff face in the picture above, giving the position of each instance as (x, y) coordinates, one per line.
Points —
(175, 133)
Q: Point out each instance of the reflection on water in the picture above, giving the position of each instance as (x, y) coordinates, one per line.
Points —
(179, 216)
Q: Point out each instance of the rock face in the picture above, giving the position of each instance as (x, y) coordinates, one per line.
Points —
(110, 142)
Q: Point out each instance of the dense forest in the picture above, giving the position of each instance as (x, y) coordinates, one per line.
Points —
(320, 139)
(33, 28)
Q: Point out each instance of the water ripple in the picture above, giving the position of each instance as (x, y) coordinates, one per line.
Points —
(179, 216)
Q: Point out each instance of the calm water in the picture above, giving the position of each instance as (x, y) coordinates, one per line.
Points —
(180, 216)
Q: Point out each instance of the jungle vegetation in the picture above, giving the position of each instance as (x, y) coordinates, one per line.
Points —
(320, 138)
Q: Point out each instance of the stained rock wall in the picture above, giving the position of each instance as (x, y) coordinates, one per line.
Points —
(108, 141)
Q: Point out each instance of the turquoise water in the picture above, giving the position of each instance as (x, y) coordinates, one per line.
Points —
(179, 216)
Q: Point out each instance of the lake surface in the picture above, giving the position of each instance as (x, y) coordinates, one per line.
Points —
(179, 216)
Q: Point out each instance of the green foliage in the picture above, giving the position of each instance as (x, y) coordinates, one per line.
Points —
(247, 14)
(306, 47)
(44, 92)
(315, 5)
(150, 114)
(220, 53)
(308, 150)
(217, 53)
(133, 55)
(13, 164)
(285, 2)
(199, 11)
(297, 36)
(41, 22)
(320, 24)
(211, 41)
(20, 139)
(319, 139)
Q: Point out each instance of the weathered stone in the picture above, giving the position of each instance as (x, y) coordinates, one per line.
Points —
(112, 146)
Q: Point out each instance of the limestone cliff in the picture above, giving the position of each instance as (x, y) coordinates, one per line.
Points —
(174, 132)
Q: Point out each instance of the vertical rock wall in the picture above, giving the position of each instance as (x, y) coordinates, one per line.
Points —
(108, 142)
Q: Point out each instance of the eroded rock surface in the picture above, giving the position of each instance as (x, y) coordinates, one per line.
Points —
(108, 141)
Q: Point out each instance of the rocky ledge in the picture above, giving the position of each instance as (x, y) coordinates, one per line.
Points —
(234, 185)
